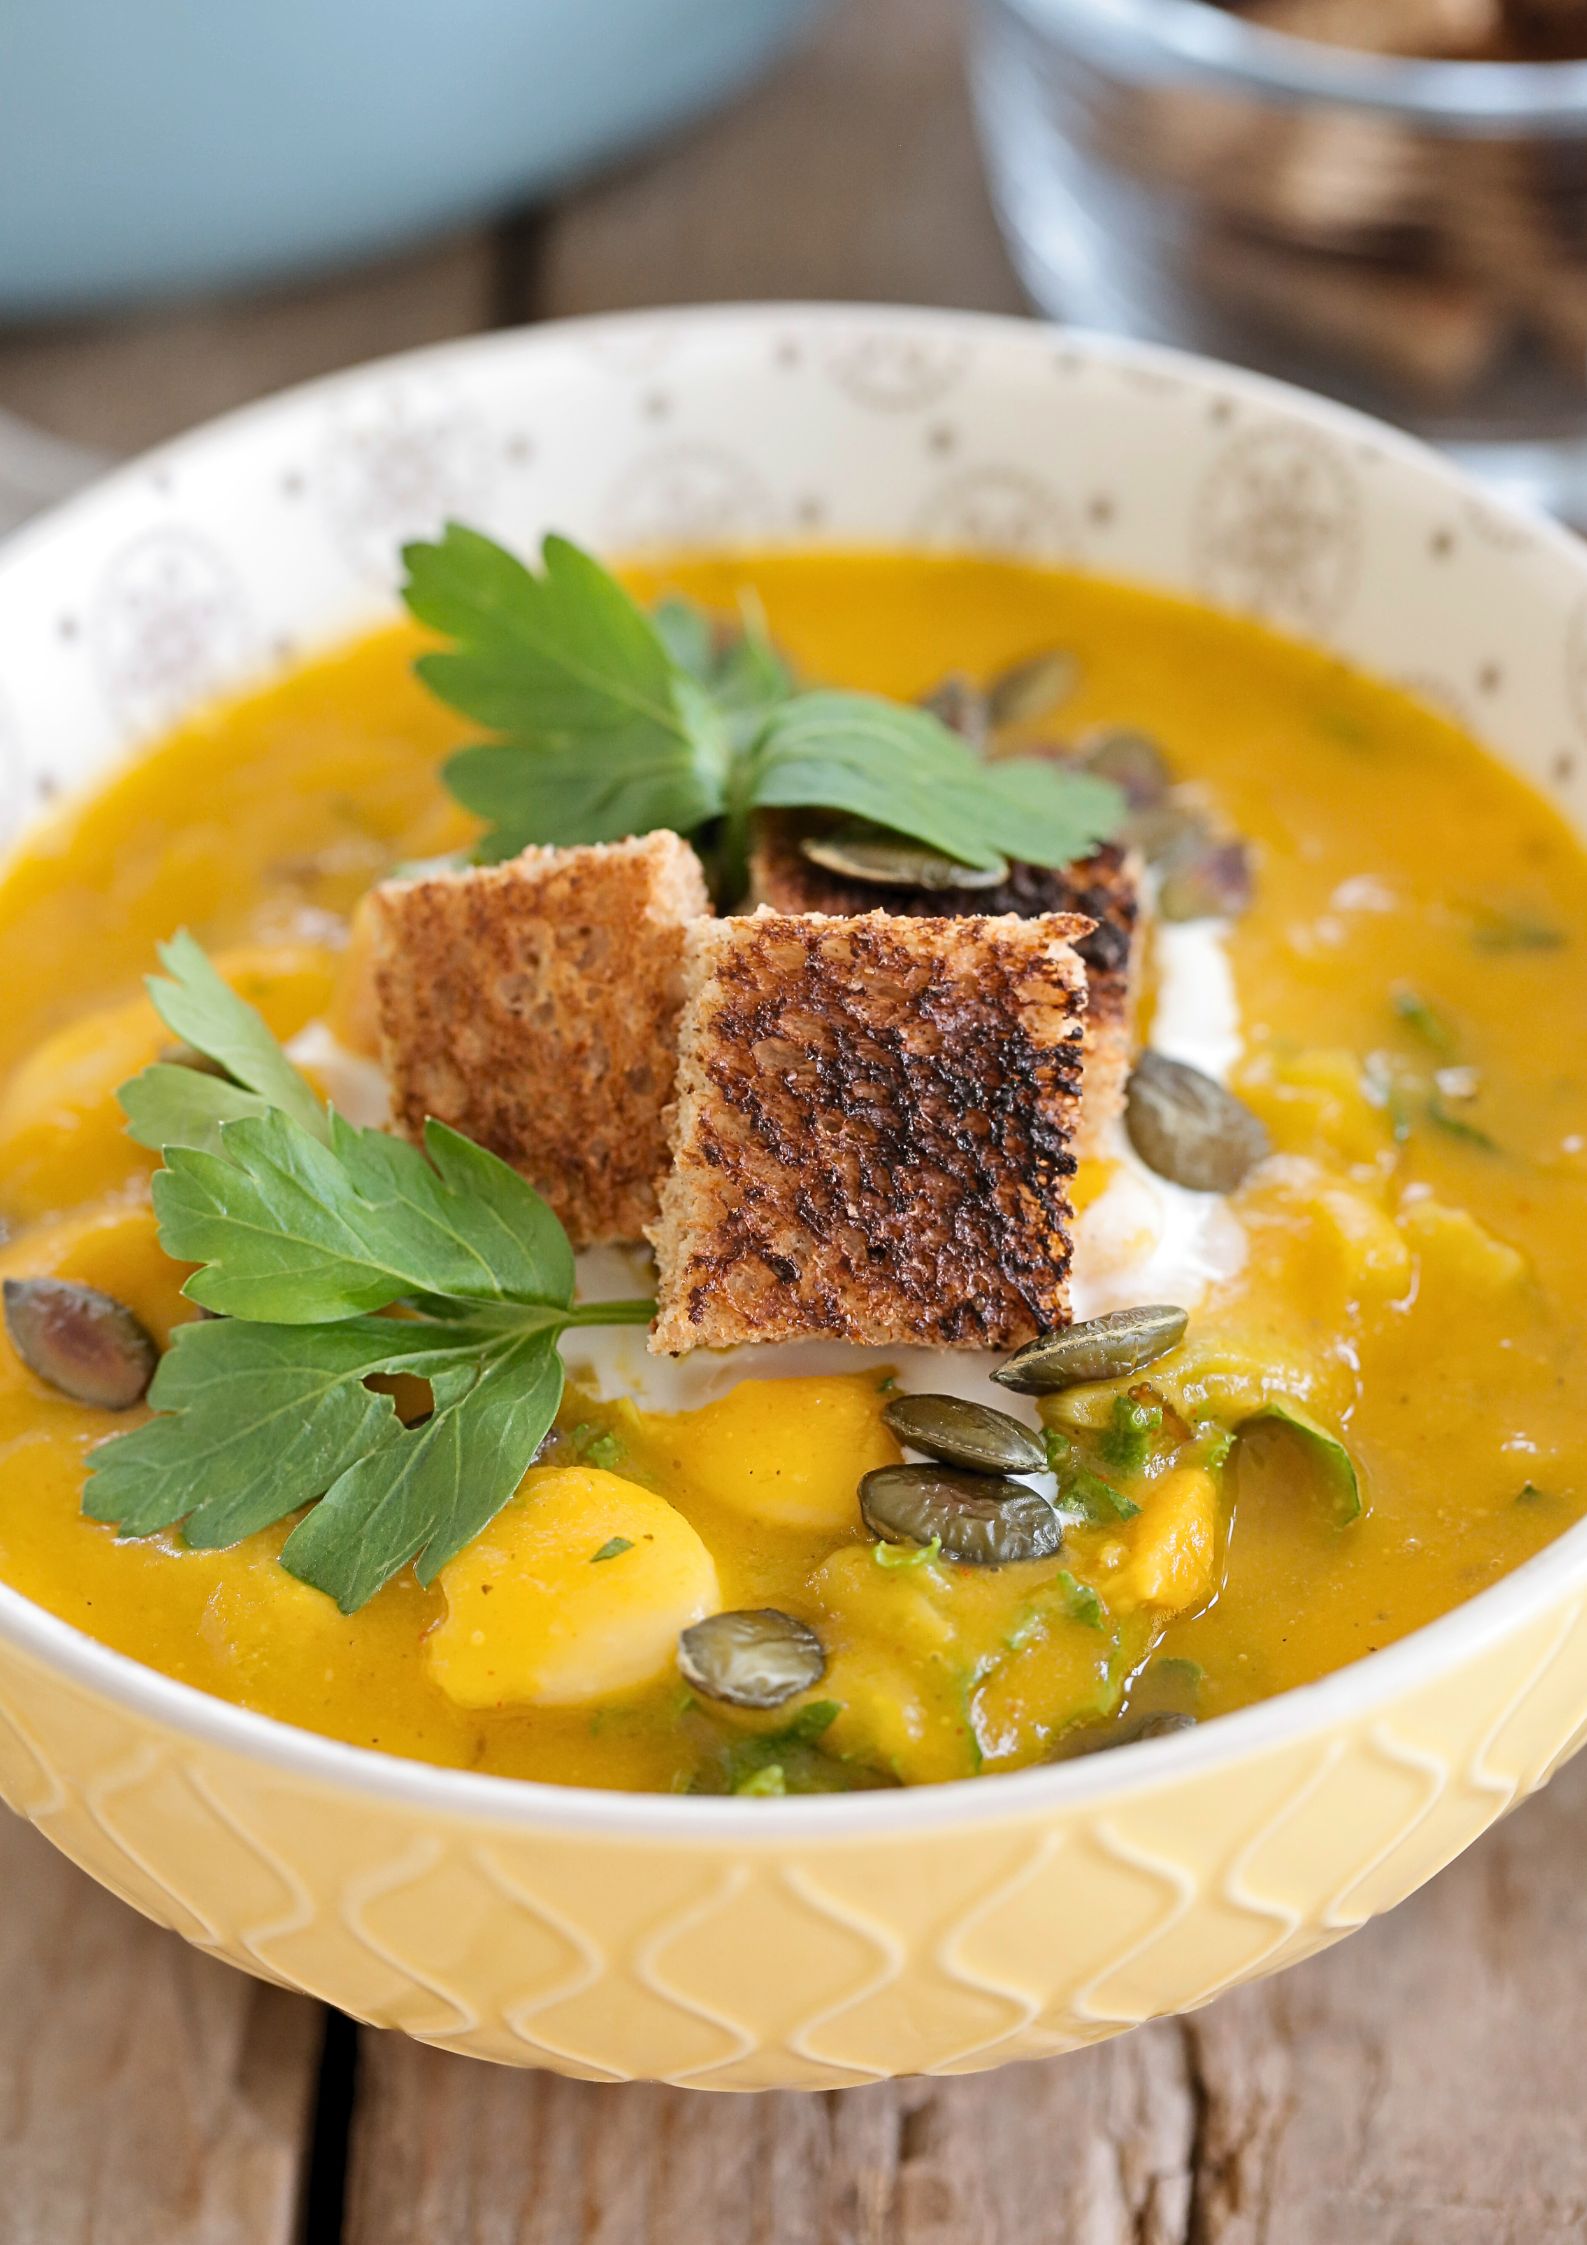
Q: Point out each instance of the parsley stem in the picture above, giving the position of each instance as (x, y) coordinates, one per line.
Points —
(612, 1313)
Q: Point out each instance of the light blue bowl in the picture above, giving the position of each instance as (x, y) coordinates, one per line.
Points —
(158, 145)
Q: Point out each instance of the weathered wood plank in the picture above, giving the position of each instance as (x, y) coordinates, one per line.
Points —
(148, 2095)
(125, 383)
(1419, 2085)
(851, 173)
(1095, 2149)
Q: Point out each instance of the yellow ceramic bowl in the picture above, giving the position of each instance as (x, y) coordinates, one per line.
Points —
(810, 1942)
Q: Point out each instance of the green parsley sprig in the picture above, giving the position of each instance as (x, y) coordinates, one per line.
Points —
(305, 1230)
(611, 722)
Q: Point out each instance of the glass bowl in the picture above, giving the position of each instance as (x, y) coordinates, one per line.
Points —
(1410, 236)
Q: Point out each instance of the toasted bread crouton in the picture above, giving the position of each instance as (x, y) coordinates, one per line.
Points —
(874, 1132)
(534, 1005)
(1105, 887)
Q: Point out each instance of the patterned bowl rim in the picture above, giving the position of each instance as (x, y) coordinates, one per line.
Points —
(1346, 1694)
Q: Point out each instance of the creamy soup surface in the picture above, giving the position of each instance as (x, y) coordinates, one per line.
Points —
(1402, 1005)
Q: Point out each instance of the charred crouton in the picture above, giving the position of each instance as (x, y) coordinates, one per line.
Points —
(1105, 887)
(874, 1132)
(534, 1005)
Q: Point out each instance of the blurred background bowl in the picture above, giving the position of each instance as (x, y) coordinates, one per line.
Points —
(155, 146)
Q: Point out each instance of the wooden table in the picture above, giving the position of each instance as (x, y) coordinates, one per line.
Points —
(1418, 2086)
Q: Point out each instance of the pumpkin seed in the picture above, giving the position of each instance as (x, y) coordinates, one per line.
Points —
(756, 1658)
(1132, 761)
(958, 703)
(1188, 1128)
(1170, 832)
(1100, 1348)
(83, 1343)
(1033, 689)
(982, 1520)
(891, 861)
(1212, 884)
(966, 1434)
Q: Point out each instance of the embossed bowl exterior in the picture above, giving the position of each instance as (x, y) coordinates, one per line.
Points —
(823, 1942)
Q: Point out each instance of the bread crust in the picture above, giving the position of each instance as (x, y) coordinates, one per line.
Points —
(534, 1005)
(1105, 887)
(874, 1132)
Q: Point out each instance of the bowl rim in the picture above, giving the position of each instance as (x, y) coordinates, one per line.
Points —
(454, 1795)
(1458, 95)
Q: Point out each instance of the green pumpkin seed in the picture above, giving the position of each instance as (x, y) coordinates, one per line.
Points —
(1212, 883)
(756, 1658)
(1188, 1128)
(1132, 761)
(966, 1434)
(958, 703)
(83, 1343)
(1169, 832)
(1028, 691)
(982, 1520)
(891, 861)
(1101, 1348)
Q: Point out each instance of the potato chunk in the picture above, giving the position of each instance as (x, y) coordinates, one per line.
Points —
(574, 1594)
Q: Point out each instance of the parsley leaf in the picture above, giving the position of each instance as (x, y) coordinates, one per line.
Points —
(902, 768)
(299, 1232)
(206, 1013)
(302, 1227)
(609, 722)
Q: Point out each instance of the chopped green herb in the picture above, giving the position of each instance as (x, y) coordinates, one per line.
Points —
(1127, 1443)
(1382, 1084)
(1083, 1603)
(1059, 1447)
(1080, 1490)
(1498, 930)
(812, 1721)
(793, 1752)
(1183, 1675)
(1454, 1125)
(894, 1555)
(612, 1548)
(1345, 727)
(766, 1783)
(1212, 1445)
(887, 1385)
(1433, 1027)
(597, 1446)
(1530, 1493)
(609, 723)
(304, 1229)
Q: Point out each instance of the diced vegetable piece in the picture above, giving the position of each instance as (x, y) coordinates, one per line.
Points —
(1333, 1463)
(529, 1621)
